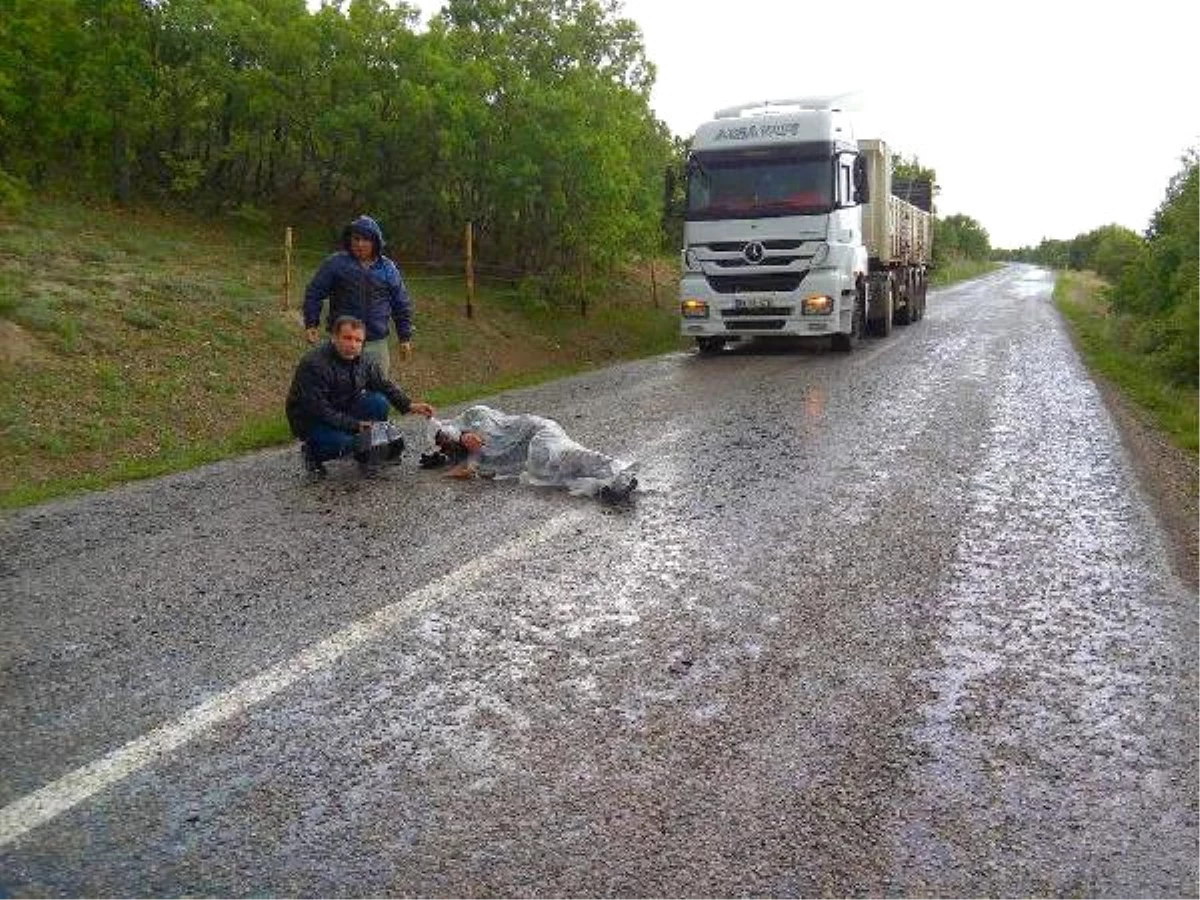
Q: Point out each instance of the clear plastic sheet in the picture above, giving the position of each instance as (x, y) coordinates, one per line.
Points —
(537, 451)
(383, 442)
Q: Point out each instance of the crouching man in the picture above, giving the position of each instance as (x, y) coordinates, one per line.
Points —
(336, 395)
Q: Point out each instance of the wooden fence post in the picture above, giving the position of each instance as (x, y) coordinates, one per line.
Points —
(470, 271)
(582, 292)
(653, 285)
(287, 268)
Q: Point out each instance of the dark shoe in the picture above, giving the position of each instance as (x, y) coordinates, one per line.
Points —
(382, 444)
(618, 491)
(368, 467)
(313, 467)
(434, 459)
(395, 451)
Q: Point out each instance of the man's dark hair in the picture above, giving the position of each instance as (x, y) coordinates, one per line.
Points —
(343, 321)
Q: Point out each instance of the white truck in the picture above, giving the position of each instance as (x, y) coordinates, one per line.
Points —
(791, 229)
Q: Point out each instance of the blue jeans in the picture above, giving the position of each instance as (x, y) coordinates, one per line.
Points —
(326, 442)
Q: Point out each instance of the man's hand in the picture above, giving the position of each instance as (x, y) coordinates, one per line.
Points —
(472, 441)
(312, 335)
(365, 426)
(421, 409)
(405, 350)
(461, 472)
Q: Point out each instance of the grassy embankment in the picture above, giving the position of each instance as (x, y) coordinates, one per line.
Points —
(1099, 335)
(134, 344)
(958, 269)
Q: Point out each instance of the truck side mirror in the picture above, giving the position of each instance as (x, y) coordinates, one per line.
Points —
(862, 190)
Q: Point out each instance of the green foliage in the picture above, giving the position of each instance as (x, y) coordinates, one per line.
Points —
(1113, 250)
(152, 343)
(529, 118)
(959, 268)
(1154, 281)
(1181, 357)
(912, 170)
(904, 167)
(1115, 346)
(142, 318)
(959, 237)
(14, 193)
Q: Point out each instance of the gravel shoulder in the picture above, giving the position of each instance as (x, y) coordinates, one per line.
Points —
(1168, 475)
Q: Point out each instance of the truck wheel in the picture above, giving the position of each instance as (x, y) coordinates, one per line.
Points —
(904, 302)
(710, 346)
(882, 324)
(844, 343)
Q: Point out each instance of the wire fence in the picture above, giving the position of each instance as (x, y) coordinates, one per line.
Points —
(468, 270)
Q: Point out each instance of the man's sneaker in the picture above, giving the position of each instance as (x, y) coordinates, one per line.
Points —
(394, 451)
(313, 467)
(368, 465)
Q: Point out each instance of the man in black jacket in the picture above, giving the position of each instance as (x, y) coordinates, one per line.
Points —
(337, 392)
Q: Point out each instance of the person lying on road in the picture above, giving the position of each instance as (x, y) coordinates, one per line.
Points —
(488, 442)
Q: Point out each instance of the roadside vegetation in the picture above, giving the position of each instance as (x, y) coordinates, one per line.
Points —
(134, 343)
(153, 153)
(529, 119)
(960, 268)
(1134, 304)
(1109, 344)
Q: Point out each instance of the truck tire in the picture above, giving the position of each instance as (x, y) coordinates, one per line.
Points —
(904, 301)
(844, 343)
(883, 304)
(710, 346)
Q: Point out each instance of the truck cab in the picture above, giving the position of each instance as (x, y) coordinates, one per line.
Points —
(773, 230)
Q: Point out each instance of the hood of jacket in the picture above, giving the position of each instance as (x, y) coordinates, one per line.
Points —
(364, 225)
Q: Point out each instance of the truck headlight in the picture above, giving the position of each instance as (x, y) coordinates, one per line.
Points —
(817, 305)
(694, 309)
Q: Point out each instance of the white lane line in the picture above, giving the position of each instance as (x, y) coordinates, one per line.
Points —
(46, 803)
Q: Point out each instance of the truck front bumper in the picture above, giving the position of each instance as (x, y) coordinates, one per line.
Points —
(822, 305)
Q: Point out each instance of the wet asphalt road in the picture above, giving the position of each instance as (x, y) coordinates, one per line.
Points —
(892, 623)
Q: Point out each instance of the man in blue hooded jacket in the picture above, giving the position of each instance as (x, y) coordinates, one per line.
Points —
(360, 281)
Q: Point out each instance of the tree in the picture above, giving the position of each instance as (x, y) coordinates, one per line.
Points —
(911, 170)
(568, 161)
(960, 236)
(1113, 249)
(529, 118)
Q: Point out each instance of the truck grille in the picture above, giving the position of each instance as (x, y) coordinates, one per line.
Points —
(738, 246)
(761, 311)
(767, 261)
(760, 325)
(755, 282)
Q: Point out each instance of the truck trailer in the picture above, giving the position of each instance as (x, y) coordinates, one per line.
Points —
(791, 229)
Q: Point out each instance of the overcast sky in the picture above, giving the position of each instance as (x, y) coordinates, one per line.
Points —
(1042, 119)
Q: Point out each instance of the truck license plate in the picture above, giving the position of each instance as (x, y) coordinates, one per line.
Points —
(752, 302)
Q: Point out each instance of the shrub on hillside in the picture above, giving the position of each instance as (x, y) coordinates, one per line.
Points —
(14, 193)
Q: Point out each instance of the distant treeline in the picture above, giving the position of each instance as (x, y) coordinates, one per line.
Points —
(529, 118)
(1154, 278)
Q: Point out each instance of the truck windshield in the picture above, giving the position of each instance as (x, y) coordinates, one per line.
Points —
(754, 185)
